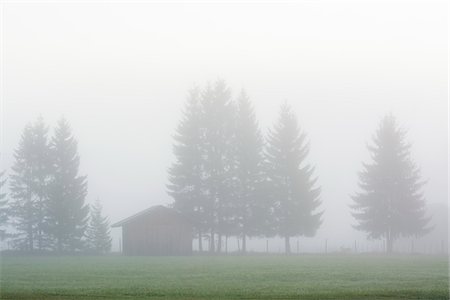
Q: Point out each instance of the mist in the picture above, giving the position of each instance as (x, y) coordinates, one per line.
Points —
(120, 75)
(245, 140)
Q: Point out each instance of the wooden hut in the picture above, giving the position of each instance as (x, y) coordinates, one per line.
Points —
(158, 230)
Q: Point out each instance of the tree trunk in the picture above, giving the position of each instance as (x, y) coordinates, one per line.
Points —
(40, 231)
(219, 242)
(59, 245)
(30, 240)
(389, 242)
(226, 244)
(389, 245)
(212, 247)
(200, 243)
(287, 245)
(40, 246)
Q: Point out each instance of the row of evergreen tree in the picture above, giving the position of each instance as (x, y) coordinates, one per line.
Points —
(234, 182)
(227, 177)
(46, 202)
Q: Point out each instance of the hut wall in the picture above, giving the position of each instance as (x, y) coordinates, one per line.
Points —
(164, 234)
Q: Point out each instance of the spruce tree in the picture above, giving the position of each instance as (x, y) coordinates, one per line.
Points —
(201, 180)
(294, 196)
(29, 186)
(185, 175)
(4, 209)
(23, 205)
(98, 237)
(217, 149)
(249, 208)
(390, 203)
(42, 176)
(67, 211)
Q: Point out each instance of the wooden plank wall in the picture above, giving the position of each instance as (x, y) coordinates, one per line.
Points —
(157, 234)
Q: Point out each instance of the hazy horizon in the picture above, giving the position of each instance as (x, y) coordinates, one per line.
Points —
(122, 80)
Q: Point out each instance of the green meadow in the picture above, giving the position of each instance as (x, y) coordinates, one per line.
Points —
(225, 277)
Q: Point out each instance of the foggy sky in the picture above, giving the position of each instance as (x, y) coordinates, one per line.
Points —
(120, 74)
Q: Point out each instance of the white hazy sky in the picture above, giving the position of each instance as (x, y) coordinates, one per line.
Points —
(120, 73)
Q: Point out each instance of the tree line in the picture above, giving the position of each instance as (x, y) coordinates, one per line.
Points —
(232, 180)
(46, 204)
(227, 177)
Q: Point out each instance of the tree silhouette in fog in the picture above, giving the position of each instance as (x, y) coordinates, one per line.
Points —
(201, 177)
(217, 144)
(250, 212)
(29, 186)
(98, 237)
(390, 203)
(47, 196)
(186, 184)
(218, 112)
(4, 210)
(67, 211)
(222, 179)
(293, 192)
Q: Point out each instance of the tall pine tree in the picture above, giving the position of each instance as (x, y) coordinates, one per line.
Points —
(42, 178)
(391, 203)
(186, 174)
(249, 209)
(201, 180)
(294, 196)
(4, 209)
(98, 237)
(29, 184)
(218, 122)
(67, 211)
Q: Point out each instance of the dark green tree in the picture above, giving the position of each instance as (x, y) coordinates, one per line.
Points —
(29, 185)
(67, 211)
(201, 179)
(293, 194)
(249, 207)
(391, 203)
(23, 205)
(186, 184)
(218, 112)
(4, 209)
(98, 238)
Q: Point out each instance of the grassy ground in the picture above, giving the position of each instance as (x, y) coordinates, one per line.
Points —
(233, 277)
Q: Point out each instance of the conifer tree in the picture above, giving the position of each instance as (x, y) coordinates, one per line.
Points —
(294, 196)
(249, 208)
(29, 186)
(390, 203)
(98, 231)
(217, 149)
(185, 175)
(201, 179)
(23, 205)
(3, 200)
(42, 176)
(67, 211)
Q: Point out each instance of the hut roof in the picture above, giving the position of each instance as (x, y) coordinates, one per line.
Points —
(157, 209)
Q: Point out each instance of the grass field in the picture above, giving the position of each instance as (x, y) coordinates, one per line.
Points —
(232, 277)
